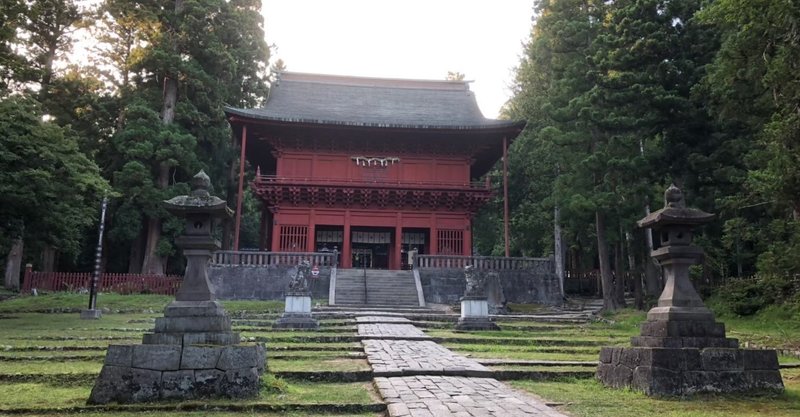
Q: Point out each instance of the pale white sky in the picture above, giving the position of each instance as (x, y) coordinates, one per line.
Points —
(404, 39)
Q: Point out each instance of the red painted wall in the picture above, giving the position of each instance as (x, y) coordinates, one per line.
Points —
(341, 167)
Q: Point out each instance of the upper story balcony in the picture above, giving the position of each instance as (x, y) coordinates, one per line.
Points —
(375, 193)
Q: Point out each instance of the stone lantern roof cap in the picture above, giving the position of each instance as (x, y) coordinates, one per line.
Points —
(199, 200)
(675, 212)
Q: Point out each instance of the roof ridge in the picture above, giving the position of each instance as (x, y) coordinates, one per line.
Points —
(361, 81)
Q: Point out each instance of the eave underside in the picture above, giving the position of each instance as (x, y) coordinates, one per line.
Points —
(483, 146)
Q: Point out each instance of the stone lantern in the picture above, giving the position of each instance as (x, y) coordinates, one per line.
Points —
(681, 349)
(192, 352)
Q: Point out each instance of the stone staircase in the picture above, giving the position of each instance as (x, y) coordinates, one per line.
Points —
(379, 288)
(350, 287)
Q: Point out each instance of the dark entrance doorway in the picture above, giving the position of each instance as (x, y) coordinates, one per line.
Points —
(371, 247)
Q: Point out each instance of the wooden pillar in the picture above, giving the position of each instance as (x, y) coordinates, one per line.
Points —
(467, 251)
(505, 193)
(347, 256)
(312, 233)
(241, 190)
(262, 229)
(276, 234)
(434, 243)
(397, 257)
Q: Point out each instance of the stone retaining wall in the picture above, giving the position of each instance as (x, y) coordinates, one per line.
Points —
(446, 286)
(269, 282)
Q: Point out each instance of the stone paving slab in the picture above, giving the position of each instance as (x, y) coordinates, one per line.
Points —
(382, 319)
(391, 331)
(406, 357)
(442, 396)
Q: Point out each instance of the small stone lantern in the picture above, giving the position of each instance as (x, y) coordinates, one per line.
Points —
(681, 349)
(192, 352)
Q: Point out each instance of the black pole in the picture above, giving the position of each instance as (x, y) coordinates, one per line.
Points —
(97, 257)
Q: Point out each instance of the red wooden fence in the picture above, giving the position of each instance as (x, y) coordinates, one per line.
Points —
(117, 283)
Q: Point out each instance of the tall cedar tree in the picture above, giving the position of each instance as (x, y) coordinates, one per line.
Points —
(203, 54)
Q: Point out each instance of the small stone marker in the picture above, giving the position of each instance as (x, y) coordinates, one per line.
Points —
(475, 304)
(192, 353)
(682, 350)
(297, 312)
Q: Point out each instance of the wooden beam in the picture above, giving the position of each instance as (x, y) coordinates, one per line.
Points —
(239, 195)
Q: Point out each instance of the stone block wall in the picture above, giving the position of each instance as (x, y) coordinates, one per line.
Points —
(446, 286)
(268, 282)
(146, 373)
(687, 371)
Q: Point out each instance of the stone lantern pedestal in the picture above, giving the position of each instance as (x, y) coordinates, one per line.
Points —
(474, 303)
(297, 312)
(681, 349)
(192, 352)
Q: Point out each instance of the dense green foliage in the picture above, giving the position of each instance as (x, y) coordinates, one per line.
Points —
(145, 112)
(623, 98)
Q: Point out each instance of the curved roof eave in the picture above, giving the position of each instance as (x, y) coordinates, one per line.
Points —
(255, 116)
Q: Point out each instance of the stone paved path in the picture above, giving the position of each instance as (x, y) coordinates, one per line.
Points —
(419, 378)
(440, 396)
(406, 357)
(391, 331)
(382, 319)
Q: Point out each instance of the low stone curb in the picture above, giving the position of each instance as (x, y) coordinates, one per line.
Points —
(252, 407)
(513, 375)
(520, 342)
(500, 362)
(51, 358)
(469, 373)
(325, 376)
(60, 379)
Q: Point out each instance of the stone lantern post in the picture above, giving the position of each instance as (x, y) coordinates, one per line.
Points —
(475, 303)
(192, 352)
(681, 349)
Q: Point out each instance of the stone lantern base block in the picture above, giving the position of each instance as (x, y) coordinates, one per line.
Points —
(193, 322)
(91, 314)
(475, 315)
(146, 373)
(297, 313)
(659, 371)
(471, 324)
(298, 303)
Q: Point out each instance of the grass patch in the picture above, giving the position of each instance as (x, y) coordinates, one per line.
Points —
(51, 368)
(585, 398)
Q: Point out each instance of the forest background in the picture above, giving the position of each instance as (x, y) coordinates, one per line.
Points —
(622, 98)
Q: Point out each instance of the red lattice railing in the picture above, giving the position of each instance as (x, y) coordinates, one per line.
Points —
(117, 283)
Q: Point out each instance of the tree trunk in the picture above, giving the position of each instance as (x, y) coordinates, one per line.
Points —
(619, 276)
(607, 281)
(14, 265)
(558, 247)
(136, 254)
(153, 262)
(638, 297)
(49, 256)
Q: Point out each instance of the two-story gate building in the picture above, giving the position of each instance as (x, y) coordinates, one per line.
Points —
(372, 167)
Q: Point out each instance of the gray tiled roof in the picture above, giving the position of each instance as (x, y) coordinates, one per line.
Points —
(374, 102)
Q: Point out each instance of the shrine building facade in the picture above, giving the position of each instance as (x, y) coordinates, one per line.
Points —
(370, 167)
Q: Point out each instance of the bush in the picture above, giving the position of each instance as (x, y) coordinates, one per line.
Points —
(745, 297)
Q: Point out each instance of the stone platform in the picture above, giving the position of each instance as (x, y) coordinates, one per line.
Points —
(145, 373)
(687, 371)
